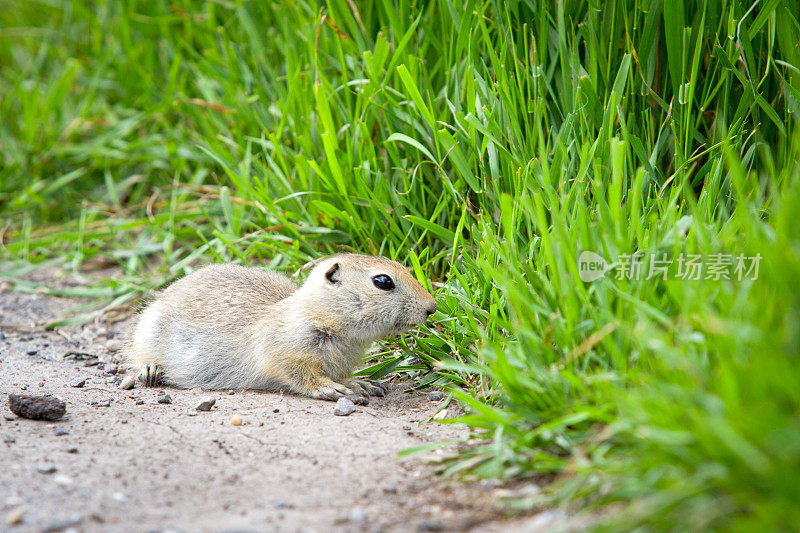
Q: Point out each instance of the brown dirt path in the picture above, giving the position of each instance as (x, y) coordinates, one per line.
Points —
(141, 465)
(146, 466)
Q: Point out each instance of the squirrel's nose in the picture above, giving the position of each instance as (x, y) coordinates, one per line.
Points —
(430, 309)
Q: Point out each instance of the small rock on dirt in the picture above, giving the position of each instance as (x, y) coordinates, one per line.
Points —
(14, 517)
(435, 396)
(61, 525)
(206, 404)
(60, 432)
(344, 407)
(46, 469)
(77, 383)
(102, 403)
(357, 514)
(37, 407)
(236, 420)
(164, 399)
(9, 439)
(113, 345)
(283, 505)
(128, 383)
(441, 415)
(111, 369)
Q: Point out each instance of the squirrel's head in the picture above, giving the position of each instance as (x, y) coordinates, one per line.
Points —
(366, 297)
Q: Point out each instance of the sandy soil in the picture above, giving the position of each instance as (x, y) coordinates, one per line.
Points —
(141, 465)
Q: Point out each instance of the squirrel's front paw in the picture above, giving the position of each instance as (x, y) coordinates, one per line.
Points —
(368, 386)
(327, 389)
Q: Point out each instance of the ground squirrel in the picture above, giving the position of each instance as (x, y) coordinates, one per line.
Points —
(227, 326)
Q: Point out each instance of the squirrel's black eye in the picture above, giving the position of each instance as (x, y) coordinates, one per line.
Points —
(383, 282)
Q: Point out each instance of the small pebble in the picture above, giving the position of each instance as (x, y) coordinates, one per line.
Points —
(164, 399)
(357, 514)
(77, 383)
(113, 345)
(63, 480)
(206, 404)
(435, 396)
(191, 413)
(32, 352)
(430, 526)
(276, 410)
(441, 415)
(140, 402)
(46, 469)
(62, 525)
(9, 439)
(236, 420)
(283, 505)
(9, 417)
(72, 450)
(231, 392)
(111, 369)
(37, 407)
(128, 383)
(14, 517)
(344, 407)
(60, 432)
(102, 403)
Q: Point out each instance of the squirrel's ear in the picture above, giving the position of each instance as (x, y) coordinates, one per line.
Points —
(332, 274)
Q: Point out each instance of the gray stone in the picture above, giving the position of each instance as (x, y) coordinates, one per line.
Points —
(77, 383)
(37, 407)
(111, 369)
(59, 432)
(128, 383)
(357, 514)
(206, 404)
(46, 469)
(113, 345)
(164, 399)
(344, 407)
(102, 403)
(62, 525)
(435, 396)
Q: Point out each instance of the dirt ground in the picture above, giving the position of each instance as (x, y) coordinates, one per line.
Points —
(140, 465)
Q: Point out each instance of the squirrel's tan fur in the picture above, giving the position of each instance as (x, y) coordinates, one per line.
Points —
(227, 326)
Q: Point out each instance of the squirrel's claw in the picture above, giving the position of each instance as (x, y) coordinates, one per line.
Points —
(150, 375)
(370, 387)
(330, 390)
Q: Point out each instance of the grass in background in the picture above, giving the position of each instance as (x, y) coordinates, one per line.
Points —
(486, 145)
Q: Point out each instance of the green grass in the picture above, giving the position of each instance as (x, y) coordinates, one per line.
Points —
(485, 144)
